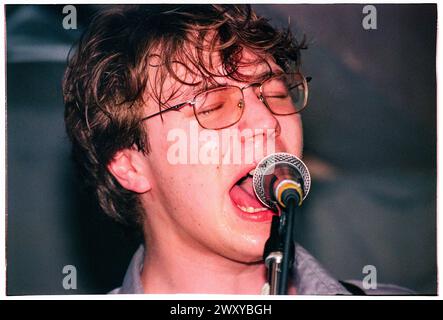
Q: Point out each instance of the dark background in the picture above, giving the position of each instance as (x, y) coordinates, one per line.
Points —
(370, 143)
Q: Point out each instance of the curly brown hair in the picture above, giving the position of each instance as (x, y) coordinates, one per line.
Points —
(106, 79)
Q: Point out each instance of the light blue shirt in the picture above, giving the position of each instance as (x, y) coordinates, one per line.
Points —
(310, 278)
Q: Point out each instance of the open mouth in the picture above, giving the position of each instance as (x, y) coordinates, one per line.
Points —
(243, 196)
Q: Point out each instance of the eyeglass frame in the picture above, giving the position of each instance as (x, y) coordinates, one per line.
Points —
(192, 102)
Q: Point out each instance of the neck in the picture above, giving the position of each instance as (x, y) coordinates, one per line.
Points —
(184, 270)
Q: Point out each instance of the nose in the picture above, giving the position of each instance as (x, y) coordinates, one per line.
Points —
(256, 115)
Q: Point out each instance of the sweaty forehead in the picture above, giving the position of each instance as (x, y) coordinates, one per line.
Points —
(255, 68)
(188, 79)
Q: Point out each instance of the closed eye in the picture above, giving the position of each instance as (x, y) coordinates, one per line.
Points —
(281, 96)
(208, 110)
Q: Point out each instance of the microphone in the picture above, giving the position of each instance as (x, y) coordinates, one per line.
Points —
(280, 177)
(281, 182)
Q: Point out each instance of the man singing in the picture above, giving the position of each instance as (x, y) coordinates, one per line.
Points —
(151, 93)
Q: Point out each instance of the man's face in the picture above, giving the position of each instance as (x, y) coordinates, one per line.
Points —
(210, 206)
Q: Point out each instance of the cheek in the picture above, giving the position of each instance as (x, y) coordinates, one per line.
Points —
(292, 134)
(174, 164)
(161, 171)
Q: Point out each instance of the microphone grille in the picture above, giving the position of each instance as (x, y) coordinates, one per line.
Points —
(266, 167)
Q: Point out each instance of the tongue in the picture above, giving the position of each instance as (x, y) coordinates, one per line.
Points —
(247, 186)
(243, 194)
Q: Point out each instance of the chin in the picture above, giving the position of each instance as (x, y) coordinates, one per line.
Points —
(241, 226)
(246, 247)
(250, 257)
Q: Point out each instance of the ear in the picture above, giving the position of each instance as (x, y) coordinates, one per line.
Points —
(128, 167)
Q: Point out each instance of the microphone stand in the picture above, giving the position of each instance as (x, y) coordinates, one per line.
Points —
(279, 248)
(273, 256)
(288, 247)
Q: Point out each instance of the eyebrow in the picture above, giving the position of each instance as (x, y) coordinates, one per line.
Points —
(257, 79)
(265, 75)
(211, 84)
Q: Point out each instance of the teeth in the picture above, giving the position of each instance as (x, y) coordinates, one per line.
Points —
(251, 173)
(251, 209)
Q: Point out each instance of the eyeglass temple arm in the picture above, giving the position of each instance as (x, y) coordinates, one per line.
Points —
(176, 107)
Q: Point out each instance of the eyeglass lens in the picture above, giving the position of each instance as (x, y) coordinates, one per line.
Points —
(222, 107)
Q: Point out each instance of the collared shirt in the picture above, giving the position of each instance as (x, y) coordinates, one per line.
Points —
(311, 278)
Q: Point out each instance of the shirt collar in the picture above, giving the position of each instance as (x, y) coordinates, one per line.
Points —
(132, 282)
